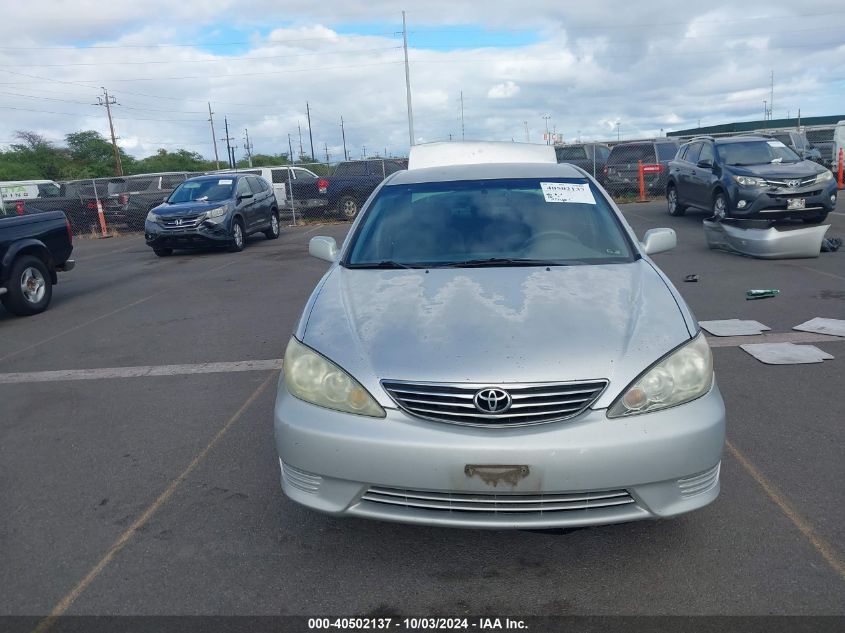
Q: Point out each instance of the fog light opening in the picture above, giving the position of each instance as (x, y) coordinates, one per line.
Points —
(741, 204)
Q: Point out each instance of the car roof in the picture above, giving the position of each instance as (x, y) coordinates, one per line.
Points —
(217, 176)
(741, 139)
(478, 152)
(490, 171)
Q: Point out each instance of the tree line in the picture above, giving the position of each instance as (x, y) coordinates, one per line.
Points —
(87, 154)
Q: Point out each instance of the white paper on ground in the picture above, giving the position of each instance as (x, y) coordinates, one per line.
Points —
(820, 325)
(786, 353)
(733, 327)
(567, 192)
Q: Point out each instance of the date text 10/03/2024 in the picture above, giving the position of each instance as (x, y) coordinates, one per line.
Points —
(416, 624)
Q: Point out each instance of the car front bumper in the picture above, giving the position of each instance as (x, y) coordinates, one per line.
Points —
(765, 203)
(206, 234)
(590, 470)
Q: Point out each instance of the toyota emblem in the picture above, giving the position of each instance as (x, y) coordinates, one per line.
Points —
(492, 400)
(793, 183)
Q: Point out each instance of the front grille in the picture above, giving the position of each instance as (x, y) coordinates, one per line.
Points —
(300, 479)
(532, 403)
(701, 483)
(184, 222)
(784, 182)
(509, 504)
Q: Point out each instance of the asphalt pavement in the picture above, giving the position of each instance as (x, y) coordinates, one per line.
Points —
(159, 493)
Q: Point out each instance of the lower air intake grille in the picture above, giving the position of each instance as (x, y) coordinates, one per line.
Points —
(497, 503)
(701, 483)
(300, 479)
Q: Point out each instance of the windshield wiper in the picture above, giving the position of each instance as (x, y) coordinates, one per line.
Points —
(387, 263)
(498, 261)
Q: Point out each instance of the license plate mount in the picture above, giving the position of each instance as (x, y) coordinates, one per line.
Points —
(795, 203)
(494, 474)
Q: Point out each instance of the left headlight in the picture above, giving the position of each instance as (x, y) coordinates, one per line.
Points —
(749, 181)
(315, 379)
(825, 176)
(152, 217)
(683, 375)
(217, 212)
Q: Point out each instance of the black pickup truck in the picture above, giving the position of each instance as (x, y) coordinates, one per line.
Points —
(33, 248)
(353, 181)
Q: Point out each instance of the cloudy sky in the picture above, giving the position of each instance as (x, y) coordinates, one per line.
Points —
(648, 66)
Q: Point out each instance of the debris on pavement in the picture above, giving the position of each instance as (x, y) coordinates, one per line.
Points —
(759, 239)
(692, 278)
(820, 325)
(786, 353)
(831, 244)
(762, 293)
(733, 327)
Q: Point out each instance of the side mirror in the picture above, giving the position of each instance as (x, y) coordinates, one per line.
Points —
(659, 240)
(705, 164)
(325, 248)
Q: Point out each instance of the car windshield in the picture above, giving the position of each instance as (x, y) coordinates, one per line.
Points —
(756, 153)
(508, 222)
(570, 153)
(210, 190)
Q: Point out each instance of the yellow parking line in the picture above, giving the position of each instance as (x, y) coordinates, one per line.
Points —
(64, 604)
(804, 526)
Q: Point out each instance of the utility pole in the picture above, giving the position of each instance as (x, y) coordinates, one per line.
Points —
(107, 101)
(772, 97)
(343, 134)
(301, 151)
(765, 111)
(291, 158)
(408, 81)
(310, 136)
(364, 152)
(527, 137)
(326, 147)
(213, 136)
(547, 117)
(228, 138)
(248, 147)
(618, 125)
(463, 136)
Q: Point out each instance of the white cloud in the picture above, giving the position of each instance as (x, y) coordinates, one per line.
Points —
(503, 90)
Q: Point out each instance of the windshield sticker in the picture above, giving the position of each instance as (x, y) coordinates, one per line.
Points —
(776, 144)
(578, 192)
(224, 182)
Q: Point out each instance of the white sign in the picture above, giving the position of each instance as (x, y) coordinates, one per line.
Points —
(776, 144)
(224, 182)
(578, 192)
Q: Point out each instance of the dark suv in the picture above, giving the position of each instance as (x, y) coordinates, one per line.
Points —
(748, 177)
(621, 172)
(217, 210)
(590, 157)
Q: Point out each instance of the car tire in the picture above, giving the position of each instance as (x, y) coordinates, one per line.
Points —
(163, 252)
(30, 287)
(347, 206)
(720, 206)
(675, 208)
(274, 231)
(815, 219)
(238, 242)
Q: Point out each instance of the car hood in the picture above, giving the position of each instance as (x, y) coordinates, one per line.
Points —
(495, 325)
(186, 208)
(775, 171)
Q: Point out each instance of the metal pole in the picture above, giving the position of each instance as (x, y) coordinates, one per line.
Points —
(213, 136)
(290, 150)
(310, 136)
(343, 134)
(301, 151)
(292, 204)
(228, 146)
(248, 147)
(463, 136)
(408, 81)
(546, 117)
(326, 145)
(527, 138)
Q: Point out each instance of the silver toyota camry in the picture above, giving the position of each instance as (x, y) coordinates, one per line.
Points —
(492, 347)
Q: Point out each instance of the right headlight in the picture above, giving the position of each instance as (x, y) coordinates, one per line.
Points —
(217, 212)
(749, 181)
(314, 378)
(683, 375)
(825, 176)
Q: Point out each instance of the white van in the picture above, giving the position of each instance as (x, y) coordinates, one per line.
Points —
(14, 190)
